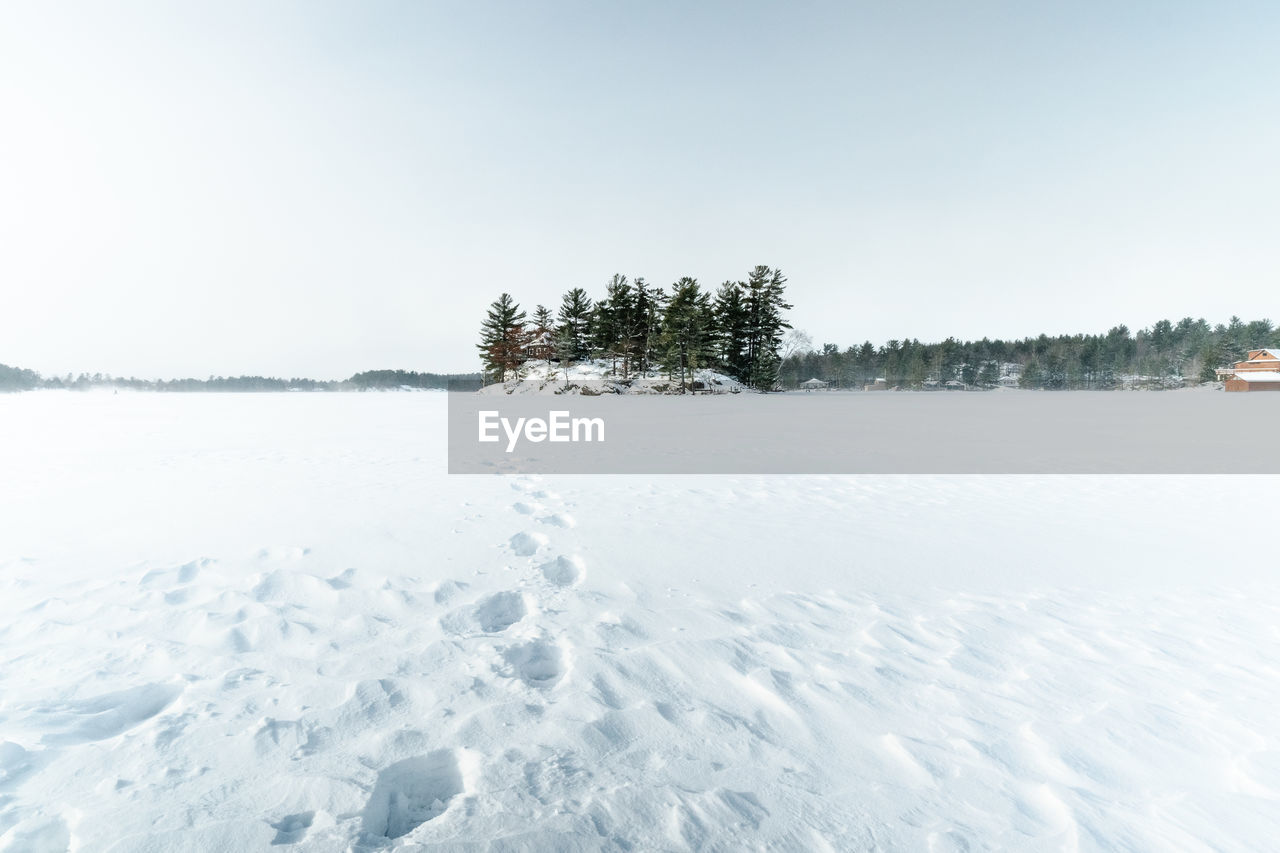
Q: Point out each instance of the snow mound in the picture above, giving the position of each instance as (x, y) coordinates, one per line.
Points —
(594, 378)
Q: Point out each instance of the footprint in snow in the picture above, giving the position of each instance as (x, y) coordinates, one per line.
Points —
(490, 615)
(411, 792)
(527, 544)
(291, 829)
(538, 663)
(500, 611)
(559, 519)
(563, 571)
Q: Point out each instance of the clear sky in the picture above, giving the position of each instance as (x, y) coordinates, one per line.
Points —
(316, 189)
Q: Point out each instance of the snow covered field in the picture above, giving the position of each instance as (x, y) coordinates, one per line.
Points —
(233, 621)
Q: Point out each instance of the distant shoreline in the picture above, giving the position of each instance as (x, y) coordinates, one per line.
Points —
(18, 379)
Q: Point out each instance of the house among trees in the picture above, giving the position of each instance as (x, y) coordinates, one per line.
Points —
(814, 384)
(1259, 372)
(541, 347)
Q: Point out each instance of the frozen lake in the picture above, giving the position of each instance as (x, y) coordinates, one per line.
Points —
(228, 621)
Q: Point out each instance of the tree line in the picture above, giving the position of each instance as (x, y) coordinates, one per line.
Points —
(689, 329)
(641, 329)
(1165, 354)
(18, 379)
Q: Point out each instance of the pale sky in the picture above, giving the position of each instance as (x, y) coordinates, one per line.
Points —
(315, 189)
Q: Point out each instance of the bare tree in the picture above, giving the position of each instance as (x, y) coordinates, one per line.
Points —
(796, 343)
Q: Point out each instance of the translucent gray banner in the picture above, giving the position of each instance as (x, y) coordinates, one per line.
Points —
(1080, 432)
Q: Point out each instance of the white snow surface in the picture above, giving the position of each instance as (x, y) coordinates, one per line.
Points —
(602, 376)
(235, 621)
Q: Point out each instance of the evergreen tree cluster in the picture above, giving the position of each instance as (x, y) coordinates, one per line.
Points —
(17, 379)
(371, 379)
(641, 328)
(1164, 354)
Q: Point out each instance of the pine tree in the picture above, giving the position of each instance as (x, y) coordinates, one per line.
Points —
(916, 369)
(646, 325)
(867, 363)
(574, 318)
(730, 330)
(1210, 360)
(686, 339)
(765, 324)
(611, 326)
(503, 338)
(1032, 375)
(542, 336)
(988, 375)
(542, 319)
(1235, 339)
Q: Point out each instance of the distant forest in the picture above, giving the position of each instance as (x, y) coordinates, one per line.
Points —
(17, 379)
(1167, 354)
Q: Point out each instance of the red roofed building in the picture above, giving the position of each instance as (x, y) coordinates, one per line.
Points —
(1259, 372)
